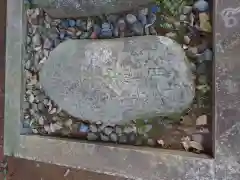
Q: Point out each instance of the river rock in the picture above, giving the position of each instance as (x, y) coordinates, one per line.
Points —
(119, 80)
(76, 8)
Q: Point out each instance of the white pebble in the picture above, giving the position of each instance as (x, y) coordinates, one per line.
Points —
(36, 40)
(201, 120)
(35, 131)
(55, 127)
(131, 18)
(41, 120)
(31, 98)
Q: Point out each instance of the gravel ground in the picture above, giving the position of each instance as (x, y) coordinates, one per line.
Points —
(189, 26)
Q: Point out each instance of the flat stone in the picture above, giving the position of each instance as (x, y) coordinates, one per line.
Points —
(76, 8)
(119, 80)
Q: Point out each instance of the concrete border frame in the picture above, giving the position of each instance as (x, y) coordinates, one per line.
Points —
(127, 161)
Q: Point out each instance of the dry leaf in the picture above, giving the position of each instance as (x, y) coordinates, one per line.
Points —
(68, 123)
(185, 143)
(204, 88)
(204, 22)
(201, 120)
(160, 142)
(196, 145)
(187, 120)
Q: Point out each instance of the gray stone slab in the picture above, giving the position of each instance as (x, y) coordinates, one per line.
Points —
(76, 8)
(129, 161)
(119, 80)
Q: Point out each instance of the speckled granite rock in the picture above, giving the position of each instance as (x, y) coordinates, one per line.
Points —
(77, 8)
(119, 80)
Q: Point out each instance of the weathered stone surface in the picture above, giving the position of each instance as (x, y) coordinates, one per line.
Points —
(77, 8)
(119, 80)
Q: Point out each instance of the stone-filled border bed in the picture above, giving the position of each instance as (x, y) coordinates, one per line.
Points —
(129, 161)
(190, 131)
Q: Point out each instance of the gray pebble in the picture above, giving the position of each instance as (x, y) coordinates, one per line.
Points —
(98, 122)
(79, 23)
(28, 64)
(46, 53)
(193, 67)
(131, 19)
(93, 128)
(121, 24)
(41, 106)
(201, 69)
(35, 131)
(41, 120)
(85, 35)
(26, 123)
(202, 79)
(104, 137)
(139, 141)
(101, 127)
(35, 107)
(123, 139)
(36, 40)
(151, 142)
(53, 33)
(198, 138)
(38, 85)
(84, 25)
(90, 23)
(183, 18)
(143, 19)
(146, 30)
(36, 92)
(132, 138)
(137, 29)
(151, 19)
(192, 52)
(96, 29)
(200, 57)
(106, 33)
(56, 42)
(128, 130)
(112, 18)
(108, 130)
(47, 44)
(208, 55)
(29, 40)
(116, 32)
(45, 101)
(92, 136)
(152, 30)
(186, 9)
(118, 130)
(25, 105)
(201, 5)
(113, 137)
(56, 118)
(31, 98)
(147, 128)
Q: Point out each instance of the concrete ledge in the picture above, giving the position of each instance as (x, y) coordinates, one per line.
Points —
(144, 163)
(126, 161)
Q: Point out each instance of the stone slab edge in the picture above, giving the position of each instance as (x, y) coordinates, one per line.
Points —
(125, 161)
(13, 76)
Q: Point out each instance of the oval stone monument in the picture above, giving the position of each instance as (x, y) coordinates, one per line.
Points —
(77, 8)
(119, 80)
